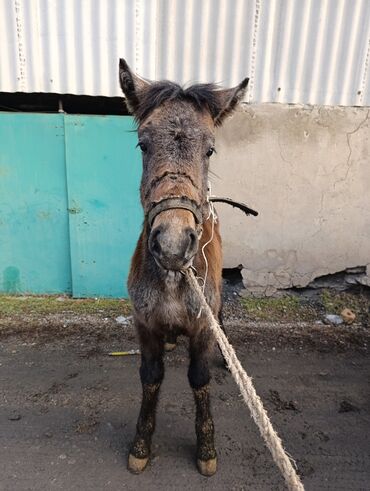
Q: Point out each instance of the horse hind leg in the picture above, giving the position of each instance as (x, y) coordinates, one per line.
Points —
(199, 378)
(151, 374)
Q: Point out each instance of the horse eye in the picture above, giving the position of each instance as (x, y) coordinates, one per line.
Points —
(210, 152)
(142, 146)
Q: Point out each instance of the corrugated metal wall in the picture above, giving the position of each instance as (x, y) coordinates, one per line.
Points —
(294, 51)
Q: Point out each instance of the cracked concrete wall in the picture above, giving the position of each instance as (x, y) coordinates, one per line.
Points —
(307, 171)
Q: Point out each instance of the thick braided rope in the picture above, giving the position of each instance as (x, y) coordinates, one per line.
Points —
(250, 396)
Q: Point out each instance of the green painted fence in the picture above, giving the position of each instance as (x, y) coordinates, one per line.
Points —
(69, 203)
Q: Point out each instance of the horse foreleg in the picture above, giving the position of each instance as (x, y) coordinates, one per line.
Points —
(199, 378)
(151, 374)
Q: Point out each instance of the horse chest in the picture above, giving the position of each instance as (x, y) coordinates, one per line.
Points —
(171, 308)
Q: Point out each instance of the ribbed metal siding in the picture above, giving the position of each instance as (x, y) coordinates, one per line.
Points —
(294, 51)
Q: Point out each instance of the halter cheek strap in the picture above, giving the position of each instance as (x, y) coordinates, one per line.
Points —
(182, 203)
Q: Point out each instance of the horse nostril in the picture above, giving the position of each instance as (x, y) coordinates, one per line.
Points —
(192, 245)
(154, 245)
(193, 239)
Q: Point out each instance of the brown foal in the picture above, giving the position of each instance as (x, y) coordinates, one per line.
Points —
(176, 129)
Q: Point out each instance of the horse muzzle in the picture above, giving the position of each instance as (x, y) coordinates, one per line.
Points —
(174, 242)
(173, 251)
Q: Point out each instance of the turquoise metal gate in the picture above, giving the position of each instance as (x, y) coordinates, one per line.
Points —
(69, 206)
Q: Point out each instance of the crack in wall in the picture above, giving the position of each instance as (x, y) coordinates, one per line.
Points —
(281, 151)
(348, 162)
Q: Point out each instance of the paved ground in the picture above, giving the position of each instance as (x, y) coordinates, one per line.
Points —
(68, 411)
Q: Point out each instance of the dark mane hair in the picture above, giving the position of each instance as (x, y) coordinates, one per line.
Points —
(203, 96)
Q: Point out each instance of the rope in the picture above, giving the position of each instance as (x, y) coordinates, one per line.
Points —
(249, 394)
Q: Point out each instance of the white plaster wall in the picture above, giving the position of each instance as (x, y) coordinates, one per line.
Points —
(307, 171)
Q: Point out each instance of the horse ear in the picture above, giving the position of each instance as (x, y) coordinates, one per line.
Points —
(228, 99)
(131, 85)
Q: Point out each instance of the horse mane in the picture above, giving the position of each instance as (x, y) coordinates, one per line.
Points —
(203, 96)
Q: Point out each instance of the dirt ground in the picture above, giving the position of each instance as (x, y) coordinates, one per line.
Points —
(68, 410)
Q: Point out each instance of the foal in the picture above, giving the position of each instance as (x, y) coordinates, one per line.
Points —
(176, 136)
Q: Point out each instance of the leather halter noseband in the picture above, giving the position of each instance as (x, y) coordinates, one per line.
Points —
(182, 203)
(185, 203)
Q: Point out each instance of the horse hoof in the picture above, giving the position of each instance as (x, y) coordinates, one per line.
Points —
(207, 467)
(136, 465)
(169, 346)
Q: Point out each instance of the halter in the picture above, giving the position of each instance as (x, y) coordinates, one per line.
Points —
(182, 203)
(185, 203)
